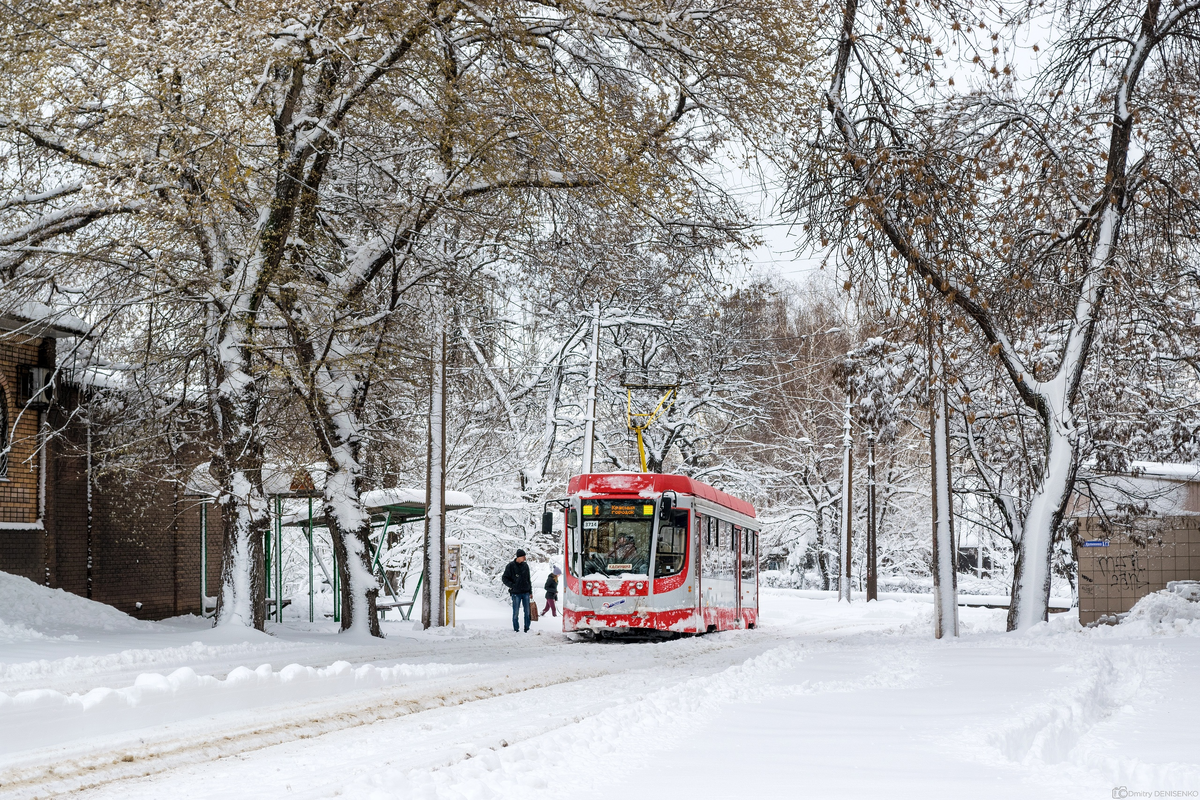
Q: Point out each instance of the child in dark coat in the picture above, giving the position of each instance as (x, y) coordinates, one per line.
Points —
(552, 592)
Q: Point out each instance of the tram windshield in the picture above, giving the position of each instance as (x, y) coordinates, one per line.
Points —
(615, 538)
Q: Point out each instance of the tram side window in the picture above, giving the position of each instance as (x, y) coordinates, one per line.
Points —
(728, 552)
(732, 539)
(747, 555)
(672, 546)
(708, 561)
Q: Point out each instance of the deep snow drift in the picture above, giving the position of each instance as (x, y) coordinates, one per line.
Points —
(824, 699)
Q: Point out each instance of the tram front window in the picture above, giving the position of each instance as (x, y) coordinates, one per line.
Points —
(615, 539)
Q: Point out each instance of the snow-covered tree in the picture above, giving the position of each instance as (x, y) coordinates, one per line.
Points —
(959, 162)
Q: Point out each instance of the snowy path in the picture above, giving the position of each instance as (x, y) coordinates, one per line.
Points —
(823, 700)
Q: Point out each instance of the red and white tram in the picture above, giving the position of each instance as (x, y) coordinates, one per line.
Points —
(650, 553)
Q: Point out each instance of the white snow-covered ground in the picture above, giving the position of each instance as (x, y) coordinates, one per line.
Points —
(823, 700)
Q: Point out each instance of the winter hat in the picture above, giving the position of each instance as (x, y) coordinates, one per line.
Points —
(520, 553)
(557, 571)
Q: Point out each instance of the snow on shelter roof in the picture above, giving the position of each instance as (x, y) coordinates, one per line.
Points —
(399, 502)
(277, 480)
(40, 320)
(646, 484)
(282, 481)
(401, 499)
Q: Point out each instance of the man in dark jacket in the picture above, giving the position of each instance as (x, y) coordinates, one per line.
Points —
(520, 586)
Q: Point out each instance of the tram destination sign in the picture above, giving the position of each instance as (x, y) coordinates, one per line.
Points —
(624, 508)
(618, 508)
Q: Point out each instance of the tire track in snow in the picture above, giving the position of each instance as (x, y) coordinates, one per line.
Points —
(55, 771)
(74, 772)
(622, 735)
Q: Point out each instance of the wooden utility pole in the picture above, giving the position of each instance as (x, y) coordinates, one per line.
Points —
(589, 425)
(433, 612)
(872, 556)
(847, 505)
(945, 581)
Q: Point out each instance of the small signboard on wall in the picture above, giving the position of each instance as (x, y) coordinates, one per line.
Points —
(453, 566)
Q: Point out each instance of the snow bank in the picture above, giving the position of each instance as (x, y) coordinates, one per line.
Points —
(11, 633)
(1161, 614)
(44, 717)
(28, 610)
(132, 658)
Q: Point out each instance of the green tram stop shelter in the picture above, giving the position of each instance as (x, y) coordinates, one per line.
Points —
(390, 509)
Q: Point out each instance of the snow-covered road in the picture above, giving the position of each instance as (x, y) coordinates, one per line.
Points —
(822, 700)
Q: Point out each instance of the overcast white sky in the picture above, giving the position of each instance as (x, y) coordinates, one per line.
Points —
(778, 255)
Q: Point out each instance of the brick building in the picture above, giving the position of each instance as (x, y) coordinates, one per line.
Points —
(127, 538)
(1137, 533)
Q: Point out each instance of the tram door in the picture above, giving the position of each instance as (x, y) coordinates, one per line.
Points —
(749, 571)
(735, 548)
(699, 524)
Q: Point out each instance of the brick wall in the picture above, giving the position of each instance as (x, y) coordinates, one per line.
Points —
(146, 539)
(22, 552)
(144, 533)
(66, 497)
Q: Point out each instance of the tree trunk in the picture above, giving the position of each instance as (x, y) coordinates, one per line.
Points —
(350, 529)
(237, 467)
(822, 554)
(1035, 549)
(242, 599)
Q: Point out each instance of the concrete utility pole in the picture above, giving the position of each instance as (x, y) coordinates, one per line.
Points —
(433, 612)
(945, 581)
(872, 554)
(847, 505)
(589, 428)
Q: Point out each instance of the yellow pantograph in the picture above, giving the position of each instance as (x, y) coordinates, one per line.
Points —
(640, 422)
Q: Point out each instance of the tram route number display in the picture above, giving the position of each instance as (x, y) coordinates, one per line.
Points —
(611, 508)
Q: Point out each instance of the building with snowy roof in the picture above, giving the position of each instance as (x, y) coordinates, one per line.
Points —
(127, 539)
(1137, 532)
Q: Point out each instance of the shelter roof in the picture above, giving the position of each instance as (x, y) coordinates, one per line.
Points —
(401, 502)
(278, 479)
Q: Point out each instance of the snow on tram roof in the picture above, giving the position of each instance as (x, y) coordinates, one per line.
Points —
(652, 484)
